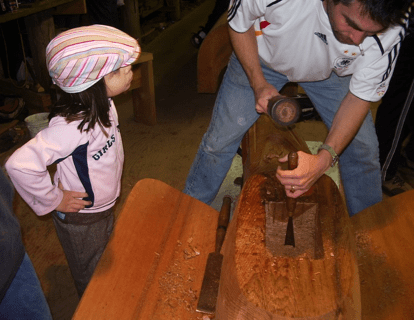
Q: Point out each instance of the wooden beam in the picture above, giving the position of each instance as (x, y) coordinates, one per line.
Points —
(74, 7)
(36, 7)
(41, 101)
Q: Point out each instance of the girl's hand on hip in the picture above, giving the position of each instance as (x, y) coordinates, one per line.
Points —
(72, 200)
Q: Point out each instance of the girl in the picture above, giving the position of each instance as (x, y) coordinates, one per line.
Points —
(90, 64)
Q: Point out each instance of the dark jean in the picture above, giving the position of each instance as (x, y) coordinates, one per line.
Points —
(24, 298)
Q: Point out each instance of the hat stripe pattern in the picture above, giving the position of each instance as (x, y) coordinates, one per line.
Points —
(79, 57)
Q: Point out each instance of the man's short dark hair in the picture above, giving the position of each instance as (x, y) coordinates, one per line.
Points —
(384, 12)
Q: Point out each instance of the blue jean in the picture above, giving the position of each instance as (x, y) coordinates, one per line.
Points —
(24, 298)
(234, 113)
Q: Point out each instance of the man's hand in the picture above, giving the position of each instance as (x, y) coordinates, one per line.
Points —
(263, 94)
(72, 200)
(310, 169)
(245, 47)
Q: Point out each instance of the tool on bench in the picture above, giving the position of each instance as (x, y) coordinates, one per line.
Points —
(285, 111)
(210, 286)
(291, 202)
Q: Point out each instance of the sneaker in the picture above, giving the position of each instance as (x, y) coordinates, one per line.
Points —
(395, 185)
(198, 38)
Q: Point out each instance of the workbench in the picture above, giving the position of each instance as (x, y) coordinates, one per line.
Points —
(154, 263)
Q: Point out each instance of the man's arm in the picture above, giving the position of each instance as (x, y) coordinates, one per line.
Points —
(345, 126)
(245, 47)
(347, 122)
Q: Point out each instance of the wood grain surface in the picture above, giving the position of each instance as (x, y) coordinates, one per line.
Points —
(259, 285)
(154, 264)
(384, 236)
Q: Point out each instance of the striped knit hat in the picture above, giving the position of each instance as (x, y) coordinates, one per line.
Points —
(80, 57)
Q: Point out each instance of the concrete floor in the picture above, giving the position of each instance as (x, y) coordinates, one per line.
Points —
(164, 151)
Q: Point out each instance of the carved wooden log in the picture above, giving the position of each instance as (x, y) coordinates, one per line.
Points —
(316, 279)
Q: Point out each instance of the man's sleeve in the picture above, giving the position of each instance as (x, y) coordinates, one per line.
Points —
(243, 13)
(371, 82)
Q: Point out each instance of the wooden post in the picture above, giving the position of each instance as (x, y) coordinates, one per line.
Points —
(143, 91)
(131, 18)
(41, 29)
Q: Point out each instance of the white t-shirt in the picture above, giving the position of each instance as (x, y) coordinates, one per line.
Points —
(295, 38)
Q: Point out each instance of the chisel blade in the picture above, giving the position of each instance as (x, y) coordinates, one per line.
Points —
(211, 281)
(210, 286)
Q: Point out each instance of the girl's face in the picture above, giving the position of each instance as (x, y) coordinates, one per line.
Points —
(118, 81)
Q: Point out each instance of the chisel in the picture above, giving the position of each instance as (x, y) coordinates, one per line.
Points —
(210, 286)
(291, 202)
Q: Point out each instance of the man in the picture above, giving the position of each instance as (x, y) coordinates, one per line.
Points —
(21, 296)
(341, 53)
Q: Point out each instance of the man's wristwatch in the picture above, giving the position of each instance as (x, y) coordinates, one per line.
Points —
(335, 157)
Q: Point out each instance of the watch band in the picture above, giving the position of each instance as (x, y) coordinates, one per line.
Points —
(328, 148)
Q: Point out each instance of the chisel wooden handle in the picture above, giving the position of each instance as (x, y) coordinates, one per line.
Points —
(223, 222)
(292, 164)
(291, 203)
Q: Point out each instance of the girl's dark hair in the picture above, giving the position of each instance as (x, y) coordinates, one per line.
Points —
(91, 106)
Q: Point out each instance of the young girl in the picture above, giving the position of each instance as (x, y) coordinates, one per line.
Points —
(90, 64)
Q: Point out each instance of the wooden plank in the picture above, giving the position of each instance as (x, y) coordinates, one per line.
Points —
(41, 101)
(153, 265)
(36, 7)
(144, 57)
(385, 251)
(74, 7)
(6, 126)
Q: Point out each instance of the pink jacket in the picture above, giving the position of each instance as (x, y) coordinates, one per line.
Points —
(86, 162)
